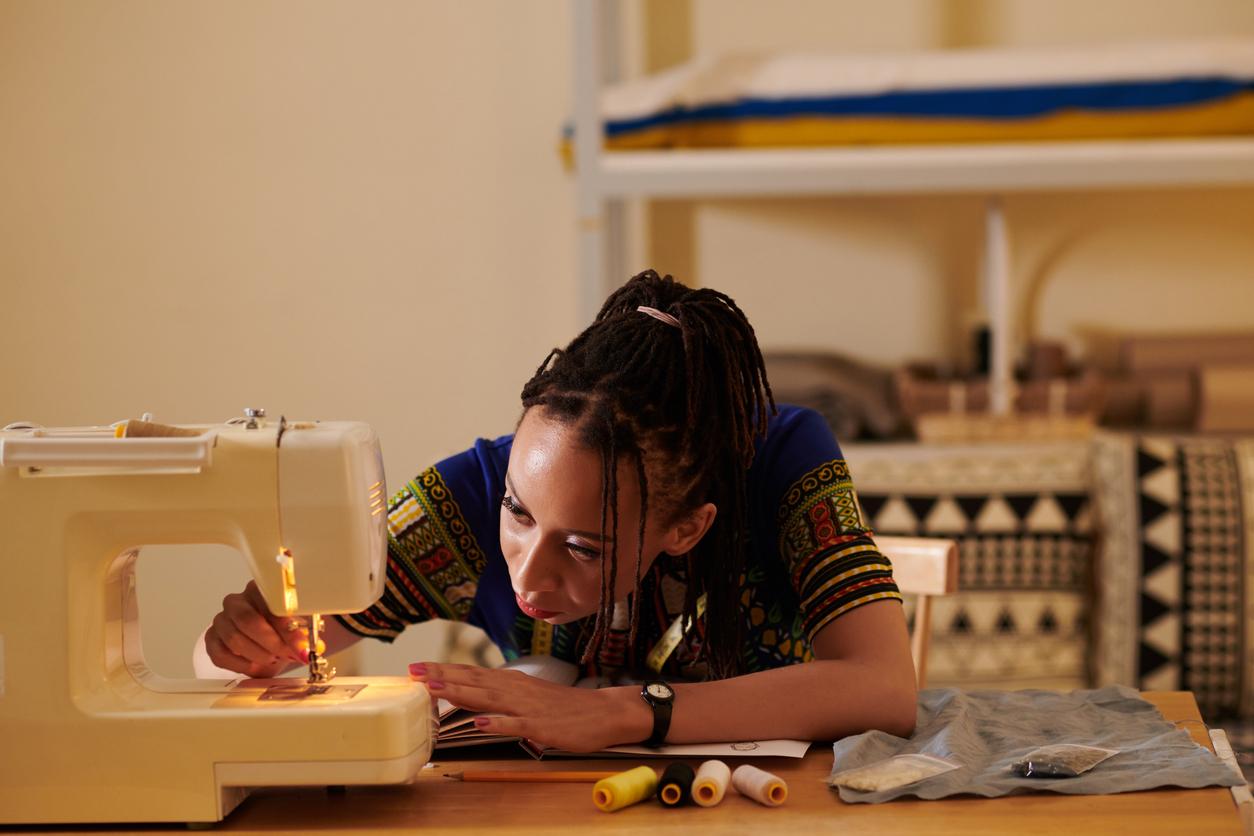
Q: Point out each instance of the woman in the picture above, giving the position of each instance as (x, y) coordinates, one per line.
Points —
(653, 513)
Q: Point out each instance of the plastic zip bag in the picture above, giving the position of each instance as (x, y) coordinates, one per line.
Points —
(1061, 760)
(891, 773)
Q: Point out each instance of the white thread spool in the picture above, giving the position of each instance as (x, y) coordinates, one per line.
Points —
(710, 783)
(763, 787)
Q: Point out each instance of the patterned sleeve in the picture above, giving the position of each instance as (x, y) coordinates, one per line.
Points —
(434, 560)
(831, 557)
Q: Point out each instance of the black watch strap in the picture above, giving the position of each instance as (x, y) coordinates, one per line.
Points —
(660, 697)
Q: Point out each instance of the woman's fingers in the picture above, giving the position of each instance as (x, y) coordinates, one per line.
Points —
(245, 633)
(238, 642)
(291, 638)
(473, 675)
(222, 656)
(480, 689)
(576, 719)
(507, 726)
(477, 699)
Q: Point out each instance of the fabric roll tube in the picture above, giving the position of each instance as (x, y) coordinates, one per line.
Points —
(711, 783)
(1123, 403)
(762, 787)
(624, 789)
(675, 786)
(1226, 399)
(1186, 352)
(1170, 399)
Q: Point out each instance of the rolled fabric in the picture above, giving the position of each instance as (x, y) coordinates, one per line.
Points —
(711, 783)
(675, 786)
(763, 787)
(1170, 399)
(624, 789)
(1226, 399)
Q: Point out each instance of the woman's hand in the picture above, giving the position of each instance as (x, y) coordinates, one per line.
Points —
(573, 719)
(245, 637)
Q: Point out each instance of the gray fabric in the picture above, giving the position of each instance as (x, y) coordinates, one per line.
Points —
(987, 731)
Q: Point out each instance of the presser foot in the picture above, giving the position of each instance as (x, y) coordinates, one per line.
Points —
(320, 670)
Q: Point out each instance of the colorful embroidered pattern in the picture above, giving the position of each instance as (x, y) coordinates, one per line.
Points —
(434, 561)
(832, 560)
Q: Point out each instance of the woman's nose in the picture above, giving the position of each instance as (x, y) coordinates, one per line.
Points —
(536, 571)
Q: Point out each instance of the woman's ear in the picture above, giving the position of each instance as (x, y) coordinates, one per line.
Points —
(684, 535)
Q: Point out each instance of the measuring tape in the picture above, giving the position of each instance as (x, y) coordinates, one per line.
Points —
(670, 639)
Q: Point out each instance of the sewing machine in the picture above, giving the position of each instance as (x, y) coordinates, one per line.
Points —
(87, 732)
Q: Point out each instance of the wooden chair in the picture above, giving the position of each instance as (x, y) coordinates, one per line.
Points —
(923, 567)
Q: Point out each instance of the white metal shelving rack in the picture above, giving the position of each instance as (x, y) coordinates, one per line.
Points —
(605, 180)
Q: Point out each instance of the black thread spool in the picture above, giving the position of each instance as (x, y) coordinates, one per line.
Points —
(675, 788)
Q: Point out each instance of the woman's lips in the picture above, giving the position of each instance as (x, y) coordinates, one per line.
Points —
(534, 612)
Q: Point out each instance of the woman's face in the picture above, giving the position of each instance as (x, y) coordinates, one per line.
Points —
(551, 523)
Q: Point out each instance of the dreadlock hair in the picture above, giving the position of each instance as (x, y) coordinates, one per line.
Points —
(683, 405)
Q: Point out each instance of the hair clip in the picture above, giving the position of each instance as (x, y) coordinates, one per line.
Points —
(659, 315)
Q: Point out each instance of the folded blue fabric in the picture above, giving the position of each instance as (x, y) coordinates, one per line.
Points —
(987, 731)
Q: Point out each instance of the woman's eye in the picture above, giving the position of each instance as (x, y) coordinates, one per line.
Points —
(508, 503)
(583, 552)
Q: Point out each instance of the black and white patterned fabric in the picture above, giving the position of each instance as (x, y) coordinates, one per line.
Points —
(1020, 514)
(1175, 567)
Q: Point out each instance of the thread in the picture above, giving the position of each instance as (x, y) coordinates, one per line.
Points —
(710, 783)
(762, 787)
(624, 789)
(675, 787)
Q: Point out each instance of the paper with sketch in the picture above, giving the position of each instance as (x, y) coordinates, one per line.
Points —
(742, 749)
(745, 748)
(458, 729)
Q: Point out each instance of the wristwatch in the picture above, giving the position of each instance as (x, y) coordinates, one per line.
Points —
(661, 698)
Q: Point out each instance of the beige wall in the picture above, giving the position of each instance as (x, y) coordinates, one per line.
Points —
(891, 279)
(355, 210)
(333, 210)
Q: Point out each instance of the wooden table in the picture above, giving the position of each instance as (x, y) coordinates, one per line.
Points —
(438, 803)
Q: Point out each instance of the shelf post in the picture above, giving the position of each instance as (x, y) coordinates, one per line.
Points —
(589, 196)
(997, 303)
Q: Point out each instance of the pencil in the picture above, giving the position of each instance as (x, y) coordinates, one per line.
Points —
(527, 776)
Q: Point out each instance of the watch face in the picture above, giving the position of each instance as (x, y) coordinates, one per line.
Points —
(659, 690)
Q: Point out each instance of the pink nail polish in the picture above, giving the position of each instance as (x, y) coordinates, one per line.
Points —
(482, 721)
(418, 669)
(435, 686)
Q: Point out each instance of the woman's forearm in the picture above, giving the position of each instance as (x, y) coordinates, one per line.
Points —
(336, 635)
(819, 700)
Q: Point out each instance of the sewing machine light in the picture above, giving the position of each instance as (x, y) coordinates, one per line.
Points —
(288, 567)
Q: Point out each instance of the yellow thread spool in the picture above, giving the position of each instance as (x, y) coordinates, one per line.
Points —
(624, 789)
(762, 787)
(711, 783)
